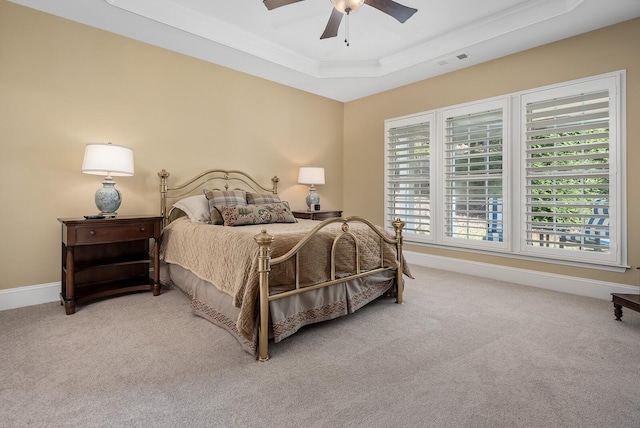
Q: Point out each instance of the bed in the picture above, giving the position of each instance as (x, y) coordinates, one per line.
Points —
(251, 267)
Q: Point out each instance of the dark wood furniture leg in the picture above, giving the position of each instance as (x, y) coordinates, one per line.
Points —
(617, 311)
(156, 267)
(69, 285)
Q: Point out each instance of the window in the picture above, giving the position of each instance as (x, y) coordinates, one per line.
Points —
(533, 174)
(474, 193)
(408, 174)
(570, 144)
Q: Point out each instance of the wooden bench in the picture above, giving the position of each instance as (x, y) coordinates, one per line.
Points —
(631, 301)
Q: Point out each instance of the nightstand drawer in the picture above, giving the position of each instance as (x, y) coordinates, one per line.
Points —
(116, 233)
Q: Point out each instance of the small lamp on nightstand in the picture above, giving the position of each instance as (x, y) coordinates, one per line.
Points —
(109, 160)
(311, 175)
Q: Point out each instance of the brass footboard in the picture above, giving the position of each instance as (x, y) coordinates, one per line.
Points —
(264, 241)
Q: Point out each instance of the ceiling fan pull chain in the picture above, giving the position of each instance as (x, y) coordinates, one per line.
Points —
(346, 29)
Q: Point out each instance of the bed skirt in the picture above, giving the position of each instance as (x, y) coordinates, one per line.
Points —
(289, 314)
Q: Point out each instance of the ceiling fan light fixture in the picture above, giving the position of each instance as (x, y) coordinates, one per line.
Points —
(347, 6)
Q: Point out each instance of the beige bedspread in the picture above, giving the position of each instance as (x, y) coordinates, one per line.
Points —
(227, 257)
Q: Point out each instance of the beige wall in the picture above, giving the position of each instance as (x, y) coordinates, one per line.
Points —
(609, 49)
(63, 85)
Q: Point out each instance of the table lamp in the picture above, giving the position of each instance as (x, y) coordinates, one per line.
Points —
(311, 175)
(109, 160)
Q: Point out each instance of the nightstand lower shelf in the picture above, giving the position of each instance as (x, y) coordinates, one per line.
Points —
(93, 292)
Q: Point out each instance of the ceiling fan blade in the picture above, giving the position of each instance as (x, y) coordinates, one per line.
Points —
(391, 8)
(272, 4)
(332, 26)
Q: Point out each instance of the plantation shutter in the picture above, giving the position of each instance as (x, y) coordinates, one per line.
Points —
(408, 176)
(473, 179)
(568, 172)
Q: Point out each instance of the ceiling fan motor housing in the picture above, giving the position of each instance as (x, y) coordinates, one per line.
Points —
(347, 6)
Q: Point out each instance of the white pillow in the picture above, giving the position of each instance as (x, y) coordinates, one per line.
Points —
(196, 208)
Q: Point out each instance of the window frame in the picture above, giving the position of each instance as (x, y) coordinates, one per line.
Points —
(407, 121)
(461, 110)
(613, 83)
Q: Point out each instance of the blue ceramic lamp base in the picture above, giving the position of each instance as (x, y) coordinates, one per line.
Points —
(108, 198)
(313, 199)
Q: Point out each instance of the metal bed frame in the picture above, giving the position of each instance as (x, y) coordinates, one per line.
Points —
(231, 178)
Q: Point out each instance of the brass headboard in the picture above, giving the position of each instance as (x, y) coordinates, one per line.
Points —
(215, 178)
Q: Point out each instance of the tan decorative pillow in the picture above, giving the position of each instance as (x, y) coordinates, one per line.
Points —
(219, 198)
(238, 215)
(262, 198)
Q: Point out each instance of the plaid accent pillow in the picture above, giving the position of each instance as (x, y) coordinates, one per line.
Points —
(219, 198)
(262, 198)
(279, 212)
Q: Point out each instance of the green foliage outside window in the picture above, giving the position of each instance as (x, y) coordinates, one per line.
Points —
(562, 197)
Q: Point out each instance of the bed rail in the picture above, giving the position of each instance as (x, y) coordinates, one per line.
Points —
(265, 262)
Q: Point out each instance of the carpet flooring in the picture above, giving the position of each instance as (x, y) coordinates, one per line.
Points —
(461, 351)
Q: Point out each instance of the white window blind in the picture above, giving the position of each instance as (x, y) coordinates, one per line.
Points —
(568, 172)
(408, 181)
(473, 175)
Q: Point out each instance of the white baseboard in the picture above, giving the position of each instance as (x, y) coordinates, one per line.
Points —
(46, 293)
(29, 296)
(549, 281)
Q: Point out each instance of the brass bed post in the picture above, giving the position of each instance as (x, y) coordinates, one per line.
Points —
(264, 240)
(398, 225)
(163, 195)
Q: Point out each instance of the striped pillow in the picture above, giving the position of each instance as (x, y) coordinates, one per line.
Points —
(262, 198)
(223, 198)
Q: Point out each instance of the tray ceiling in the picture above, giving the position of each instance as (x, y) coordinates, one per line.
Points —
(283, 45)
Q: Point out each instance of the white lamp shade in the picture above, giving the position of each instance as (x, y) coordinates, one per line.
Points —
(107, 159)
(343, 5)
(311, 175)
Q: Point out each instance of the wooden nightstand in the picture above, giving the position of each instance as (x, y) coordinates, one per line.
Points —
(108, 257)
(317, 215)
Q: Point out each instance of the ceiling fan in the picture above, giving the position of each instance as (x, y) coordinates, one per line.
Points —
(345, 7)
